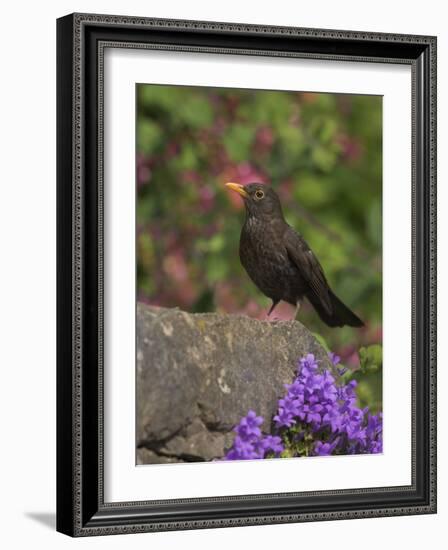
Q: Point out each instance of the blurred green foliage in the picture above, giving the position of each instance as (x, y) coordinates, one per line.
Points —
(321, 152)
(370, 378)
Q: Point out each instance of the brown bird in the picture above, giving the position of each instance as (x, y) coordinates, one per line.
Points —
(280, 262)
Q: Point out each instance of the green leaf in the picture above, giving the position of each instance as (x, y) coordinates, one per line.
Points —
(292, 140)
(310, 191)
(237, 141)
(323, 158)
(328, 130)
(188, 158)
(217, 268)
(196, 113)
(214, 244)
(287, 453)
(374, 225)
(148, 136)
(370, 358)
(321, 341)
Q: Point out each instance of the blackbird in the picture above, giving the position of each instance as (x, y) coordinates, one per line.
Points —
(280, 262)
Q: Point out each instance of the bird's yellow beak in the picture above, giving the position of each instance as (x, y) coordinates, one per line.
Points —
(238, 188)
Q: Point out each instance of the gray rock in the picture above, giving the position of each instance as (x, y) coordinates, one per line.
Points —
(198, 374)
(146, 456)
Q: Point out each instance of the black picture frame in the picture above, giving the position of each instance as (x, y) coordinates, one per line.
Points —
(81, 510)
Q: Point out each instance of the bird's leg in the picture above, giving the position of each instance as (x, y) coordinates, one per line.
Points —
(274, 303)
(297, 310)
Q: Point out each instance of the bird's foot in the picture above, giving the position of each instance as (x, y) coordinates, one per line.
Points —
(296, 312)
(273, 319)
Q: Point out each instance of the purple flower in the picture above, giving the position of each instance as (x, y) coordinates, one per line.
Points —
(329, 391)
(288, 408)
(324, 449)
(335, 359)
(296, 389)
(272, 443)
(318, 409)
(307, 364)
(374, 433)
(249, 426)
(375, 447)
(246, 445)
(284, 419)
(289, 404)
(241, 450)
(249, 443)
(374, 425)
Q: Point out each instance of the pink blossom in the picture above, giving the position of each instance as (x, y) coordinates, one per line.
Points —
(206, 198)
(172, 149)
(144, 172)
(175, 266)
(254, 310)
(351, 148)
(225, 297)
(284, 190)
(191, 176)
(246, 173)
(264, 139)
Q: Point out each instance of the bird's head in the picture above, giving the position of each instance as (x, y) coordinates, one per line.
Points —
(260, 200)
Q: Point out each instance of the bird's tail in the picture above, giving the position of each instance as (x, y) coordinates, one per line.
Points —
(341, 315)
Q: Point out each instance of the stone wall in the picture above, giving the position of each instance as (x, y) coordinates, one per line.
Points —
(198, 374)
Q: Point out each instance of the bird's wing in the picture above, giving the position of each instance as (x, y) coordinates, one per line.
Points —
(306, 262)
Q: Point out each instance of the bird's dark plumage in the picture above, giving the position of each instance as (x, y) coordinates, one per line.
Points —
(280, 262)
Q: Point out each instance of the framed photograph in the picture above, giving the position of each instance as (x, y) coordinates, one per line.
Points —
(246, 274)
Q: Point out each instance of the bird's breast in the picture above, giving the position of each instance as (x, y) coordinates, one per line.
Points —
(264, 257)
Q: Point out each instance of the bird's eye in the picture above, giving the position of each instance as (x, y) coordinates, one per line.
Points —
(259, 194)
